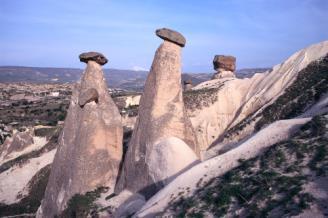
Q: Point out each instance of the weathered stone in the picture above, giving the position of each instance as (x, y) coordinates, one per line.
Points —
(223, 74)
(90, 146)
(87, 96)
(172, 36)
(162, 115)
(226, 63)
(187, 84)
(93, 56)
(130, 206)
(18, 142)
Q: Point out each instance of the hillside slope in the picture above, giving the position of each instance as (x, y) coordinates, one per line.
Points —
(288, 179)
(227, 110)
(189, 181)
(248, 128)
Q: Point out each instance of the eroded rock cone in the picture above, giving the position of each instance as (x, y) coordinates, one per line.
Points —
(90, 146)
(163, 142)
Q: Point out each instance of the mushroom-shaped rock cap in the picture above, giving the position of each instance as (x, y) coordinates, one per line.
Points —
(172, 36)
(93, 56)
(224, 62)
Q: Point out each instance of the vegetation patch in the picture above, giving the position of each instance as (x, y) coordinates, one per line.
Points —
(44, 112)
(82, 205)
(271, 185)
(31, 202)
(311, 83)
(200, 98)
(47, 132)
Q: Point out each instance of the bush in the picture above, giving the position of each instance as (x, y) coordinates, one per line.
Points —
(81, 205)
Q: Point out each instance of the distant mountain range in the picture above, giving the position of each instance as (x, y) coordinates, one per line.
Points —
(124, 79)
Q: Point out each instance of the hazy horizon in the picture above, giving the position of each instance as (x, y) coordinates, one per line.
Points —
(260, 34)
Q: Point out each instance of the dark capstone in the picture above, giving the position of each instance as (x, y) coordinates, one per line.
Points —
(189, 81)
(88, 96)
(93, 56)
(227, 63)
(172, 36)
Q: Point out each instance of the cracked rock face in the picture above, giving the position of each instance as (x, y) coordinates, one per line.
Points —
(90, 146)
(93, 56)
(162, 115)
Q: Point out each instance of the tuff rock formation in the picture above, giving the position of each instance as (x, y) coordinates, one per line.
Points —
(90, 146)
(187, 84)
(17, 143)
(224, 65)
(239, 103)
(162, 133)
(287, 97)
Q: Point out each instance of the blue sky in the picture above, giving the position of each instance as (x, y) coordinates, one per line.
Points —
(259, 33)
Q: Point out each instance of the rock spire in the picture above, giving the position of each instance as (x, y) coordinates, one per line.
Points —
(90, 145)
(163, 142)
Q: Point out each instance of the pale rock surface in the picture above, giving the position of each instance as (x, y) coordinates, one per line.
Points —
(130, 206)
(223, 74)
(90, 146)
(7, 155)
(217, 166)
(127, 101)
(13, 182)
(87, 96)
(122, 205)
(161, 115)
(239, 98)
(168, 157)
(20, 143)
(321, 107)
